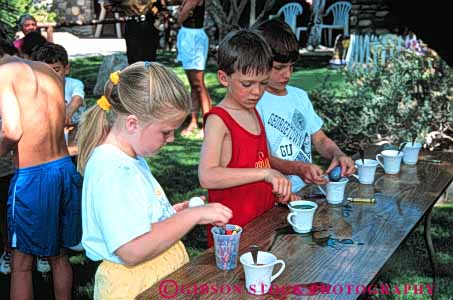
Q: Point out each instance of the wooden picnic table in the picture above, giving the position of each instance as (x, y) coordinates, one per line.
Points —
(349, 246)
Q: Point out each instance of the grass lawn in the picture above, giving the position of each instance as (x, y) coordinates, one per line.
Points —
(176, 170)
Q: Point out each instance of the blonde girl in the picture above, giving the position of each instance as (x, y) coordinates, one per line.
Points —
(128, 223)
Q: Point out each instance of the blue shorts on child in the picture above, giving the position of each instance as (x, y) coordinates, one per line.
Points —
(44, 208)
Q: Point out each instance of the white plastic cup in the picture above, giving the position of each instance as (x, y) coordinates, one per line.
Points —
(391, 161)
(410, 153)
(226, 247)
(258, 278)
(366, 171)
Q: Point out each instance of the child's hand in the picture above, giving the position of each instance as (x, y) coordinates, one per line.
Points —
(292, 197)
(213, 213)
(181, 206)
(311, 173)
(345, 162)
(281, 186)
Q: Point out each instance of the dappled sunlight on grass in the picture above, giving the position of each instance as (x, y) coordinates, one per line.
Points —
(309, 79)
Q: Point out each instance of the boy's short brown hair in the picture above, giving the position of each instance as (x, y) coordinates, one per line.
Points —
(281, 39)
(51, 53)
(244, 51)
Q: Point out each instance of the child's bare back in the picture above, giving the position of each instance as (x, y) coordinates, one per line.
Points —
(33, 111)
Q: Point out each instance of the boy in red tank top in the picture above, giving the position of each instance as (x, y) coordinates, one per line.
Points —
(234, 164)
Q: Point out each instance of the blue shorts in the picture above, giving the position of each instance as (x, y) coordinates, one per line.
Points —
(44, 208)
(192, 45)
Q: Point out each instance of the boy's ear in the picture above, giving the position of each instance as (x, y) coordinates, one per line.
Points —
(223, 78)
(67, 68)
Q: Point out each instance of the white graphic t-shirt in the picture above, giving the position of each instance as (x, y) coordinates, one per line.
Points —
(290, 121)
(74, 87)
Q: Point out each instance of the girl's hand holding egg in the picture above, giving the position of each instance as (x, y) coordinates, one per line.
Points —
(196, 201)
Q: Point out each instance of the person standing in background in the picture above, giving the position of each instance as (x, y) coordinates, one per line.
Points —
(27, 23)
(192, 44)
(140, 32)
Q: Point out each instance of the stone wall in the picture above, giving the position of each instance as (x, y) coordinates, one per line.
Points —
(75, 10)
(372, 16)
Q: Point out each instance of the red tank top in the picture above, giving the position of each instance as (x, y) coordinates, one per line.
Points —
(250, 200)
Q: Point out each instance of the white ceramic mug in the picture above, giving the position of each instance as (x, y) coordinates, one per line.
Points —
(258, 278)
(301, 219)
(392, 161)
(366, 170)
(334, 191)
(410, 153)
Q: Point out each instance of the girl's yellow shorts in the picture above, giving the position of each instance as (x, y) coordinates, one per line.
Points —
(118, 282)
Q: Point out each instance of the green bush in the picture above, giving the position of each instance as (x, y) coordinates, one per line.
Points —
(411, 94)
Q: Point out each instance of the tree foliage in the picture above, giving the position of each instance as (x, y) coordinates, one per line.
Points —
(227, 13)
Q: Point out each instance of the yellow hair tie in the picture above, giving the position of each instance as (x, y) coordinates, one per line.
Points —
(115, 77)
(104, 104)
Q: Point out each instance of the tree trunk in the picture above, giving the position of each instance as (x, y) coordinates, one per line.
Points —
(252, 12)
(314, 36)
(227, 17)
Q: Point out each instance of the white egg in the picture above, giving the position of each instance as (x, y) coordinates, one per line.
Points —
(196, 201)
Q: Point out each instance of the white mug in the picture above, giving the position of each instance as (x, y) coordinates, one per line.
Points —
(366, 171)
(392, 161)
(334, 191)
(410, 156)
(258, 278)
(301, 219)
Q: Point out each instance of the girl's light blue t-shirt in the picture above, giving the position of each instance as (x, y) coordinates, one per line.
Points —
(120, 201)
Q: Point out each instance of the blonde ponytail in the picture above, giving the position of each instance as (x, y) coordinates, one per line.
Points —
(93, 129)
(147, 90)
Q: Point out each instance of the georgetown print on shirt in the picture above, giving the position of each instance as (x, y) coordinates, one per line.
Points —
(295, 141)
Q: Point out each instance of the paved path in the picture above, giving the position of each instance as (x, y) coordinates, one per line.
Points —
(82, 47)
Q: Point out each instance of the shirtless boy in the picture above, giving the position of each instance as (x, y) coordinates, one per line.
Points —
(44, 196)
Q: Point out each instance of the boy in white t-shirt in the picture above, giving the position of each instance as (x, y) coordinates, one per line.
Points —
(56, 57)
(289, 118)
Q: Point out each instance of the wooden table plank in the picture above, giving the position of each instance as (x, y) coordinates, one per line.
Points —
(376, 230)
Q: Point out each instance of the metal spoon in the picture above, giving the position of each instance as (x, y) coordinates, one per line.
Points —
(362, 155)
(414, 137)
(401, 148)
(254, 249)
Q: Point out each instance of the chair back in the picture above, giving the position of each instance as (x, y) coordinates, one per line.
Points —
(340, 11)
(290, 12)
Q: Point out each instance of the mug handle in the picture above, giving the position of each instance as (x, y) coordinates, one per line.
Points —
(282, 268)
(354, 175)
(290, 215)
(378, 160)
(322, 190)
